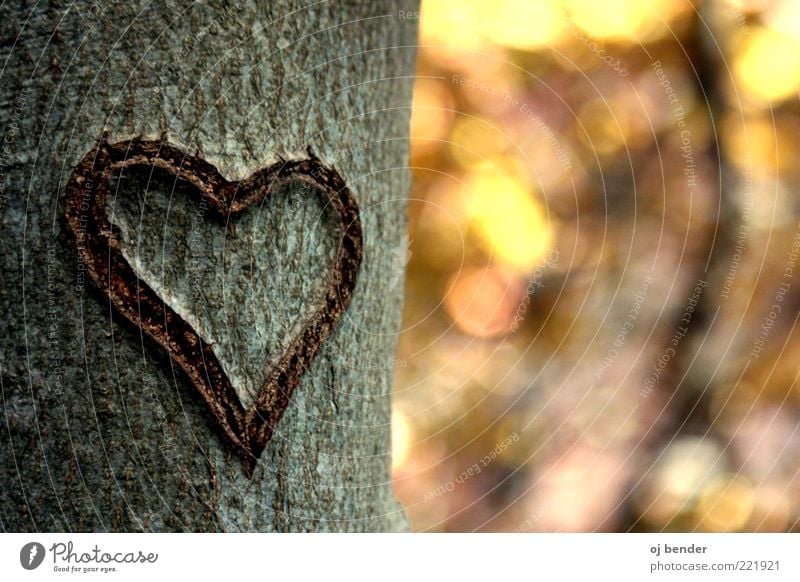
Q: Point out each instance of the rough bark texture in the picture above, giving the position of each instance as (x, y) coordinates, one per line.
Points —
(99, 431)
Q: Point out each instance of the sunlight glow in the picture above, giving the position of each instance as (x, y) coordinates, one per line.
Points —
(725, 504)
(507, 215)
(522, 24)
(632, 20)
(768, 66)
(401, 438)
(483, 302)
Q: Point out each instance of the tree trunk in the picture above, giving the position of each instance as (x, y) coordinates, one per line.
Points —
(102, 431)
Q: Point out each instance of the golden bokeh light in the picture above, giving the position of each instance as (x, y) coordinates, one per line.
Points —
(768, 66)
(527, 115)
(632, 20)
(569, 489)
(476, 26)
(684, 468)
(522, 24)
(483, 302)
(785, 18)
(401, 437)
(449, 28)
(772, 509)
(725, 504)
(504, 211)
(531, 26)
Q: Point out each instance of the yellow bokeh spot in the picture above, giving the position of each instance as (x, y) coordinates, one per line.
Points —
(725, 504)
(483, 302)
(454, 26)
(473, 25)
(401, 438)
(768, 66)
(622, 19)
(536, 24)
(785, 18)
(684, 467)
(502, 207)
(522, 24)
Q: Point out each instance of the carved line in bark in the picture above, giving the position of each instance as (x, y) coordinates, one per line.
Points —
(100, 252)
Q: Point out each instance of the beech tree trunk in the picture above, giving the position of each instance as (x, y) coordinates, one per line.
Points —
(100, 430)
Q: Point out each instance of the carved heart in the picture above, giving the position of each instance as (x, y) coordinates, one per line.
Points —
(100, 252)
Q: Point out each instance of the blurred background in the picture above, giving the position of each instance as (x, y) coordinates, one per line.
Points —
(603, 274)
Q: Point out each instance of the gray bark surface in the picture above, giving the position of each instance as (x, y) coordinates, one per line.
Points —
(100, 432)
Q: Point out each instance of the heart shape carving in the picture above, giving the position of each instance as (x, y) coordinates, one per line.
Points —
(100, 254)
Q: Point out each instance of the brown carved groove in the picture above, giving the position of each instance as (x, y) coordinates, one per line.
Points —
(100, 251)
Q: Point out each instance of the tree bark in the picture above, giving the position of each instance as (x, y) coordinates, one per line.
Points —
(101, 432)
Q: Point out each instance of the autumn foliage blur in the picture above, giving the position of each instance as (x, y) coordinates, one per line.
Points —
(601, 288)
